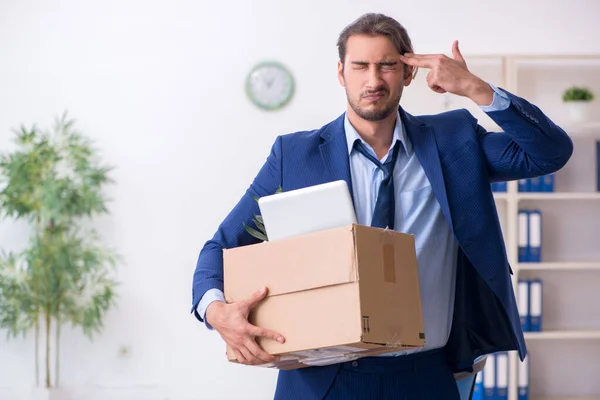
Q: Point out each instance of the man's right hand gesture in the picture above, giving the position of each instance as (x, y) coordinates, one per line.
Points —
(231, 321)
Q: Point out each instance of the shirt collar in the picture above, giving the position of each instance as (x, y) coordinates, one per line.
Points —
(399, 134)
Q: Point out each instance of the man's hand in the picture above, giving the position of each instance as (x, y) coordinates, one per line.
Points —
(231, 321)
(451, 75)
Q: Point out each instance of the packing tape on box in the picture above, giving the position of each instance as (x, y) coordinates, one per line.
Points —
(389, 263)
(386, 236)
(392, 336)
(389, 257)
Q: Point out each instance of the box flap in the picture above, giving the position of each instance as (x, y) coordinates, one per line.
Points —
(289, 265)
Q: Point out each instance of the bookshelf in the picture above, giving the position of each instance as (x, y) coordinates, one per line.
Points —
(570, 260)
(570, 264)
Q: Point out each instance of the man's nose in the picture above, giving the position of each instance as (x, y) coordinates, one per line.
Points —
(374, 81)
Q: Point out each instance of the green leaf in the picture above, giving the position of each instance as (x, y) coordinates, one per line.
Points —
(255, 233)
(260, 226)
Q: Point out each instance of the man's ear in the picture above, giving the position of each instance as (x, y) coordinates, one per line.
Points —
(341, 73)
(409, 73)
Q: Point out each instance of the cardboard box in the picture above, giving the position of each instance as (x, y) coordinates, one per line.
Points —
(335, 295)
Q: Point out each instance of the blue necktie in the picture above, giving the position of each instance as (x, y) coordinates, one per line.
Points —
(383, 215)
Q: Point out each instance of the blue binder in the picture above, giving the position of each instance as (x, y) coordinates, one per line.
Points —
(523, 379)
(523, 237)
(499, 186)
(523, 304)
(598, 165)
(548, 183)
(535, 236)
(535, 184)
(535, 305)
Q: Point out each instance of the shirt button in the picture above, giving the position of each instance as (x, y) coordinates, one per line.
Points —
(355, 364)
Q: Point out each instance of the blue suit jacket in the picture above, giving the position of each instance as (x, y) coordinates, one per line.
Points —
(460, 159)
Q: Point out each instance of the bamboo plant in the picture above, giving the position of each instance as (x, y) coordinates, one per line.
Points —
(54, 181)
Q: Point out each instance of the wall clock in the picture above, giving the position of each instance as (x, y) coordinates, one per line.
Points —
(270, 85)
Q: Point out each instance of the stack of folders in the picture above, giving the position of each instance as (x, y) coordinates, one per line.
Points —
(492, 382)
(538, 184)
(530, 236)
(529, 303)
(499, 186)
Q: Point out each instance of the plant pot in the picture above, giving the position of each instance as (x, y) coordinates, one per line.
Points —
(579, 111)
(47, 394)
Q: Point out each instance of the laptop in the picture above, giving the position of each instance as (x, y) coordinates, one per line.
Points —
(307, 210)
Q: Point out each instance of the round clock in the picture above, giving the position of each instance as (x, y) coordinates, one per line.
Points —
(270, 85)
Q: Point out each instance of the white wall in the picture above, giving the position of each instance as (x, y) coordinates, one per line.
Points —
(159, 85)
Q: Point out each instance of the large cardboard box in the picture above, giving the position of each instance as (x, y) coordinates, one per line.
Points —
(335, 295)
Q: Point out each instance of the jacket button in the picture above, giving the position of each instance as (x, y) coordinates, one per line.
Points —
(355, 364)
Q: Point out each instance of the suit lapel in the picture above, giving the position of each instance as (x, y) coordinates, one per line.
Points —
(334, 153)
(423, 140)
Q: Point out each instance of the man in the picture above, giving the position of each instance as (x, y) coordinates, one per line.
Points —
(426, 175)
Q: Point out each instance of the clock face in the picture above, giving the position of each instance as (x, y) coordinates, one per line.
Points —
(270, 85)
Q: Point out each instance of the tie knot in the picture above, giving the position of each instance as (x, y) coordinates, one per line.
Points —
(388, 165)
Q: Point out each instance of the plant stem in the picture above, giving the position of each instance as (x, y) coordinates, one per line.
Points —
(48, 346)
(57, 351)
(37, 348)
(48, 318)
(36, 311)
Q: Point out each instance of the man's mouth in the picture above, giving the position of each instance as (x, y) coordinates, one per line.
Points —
(374, 96)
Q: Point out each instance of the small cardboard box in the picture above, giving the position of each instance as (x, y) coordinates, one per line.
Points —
(335, 295)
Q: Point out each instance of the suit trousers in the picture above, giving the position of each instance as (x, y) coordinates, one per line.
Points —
(418, 376)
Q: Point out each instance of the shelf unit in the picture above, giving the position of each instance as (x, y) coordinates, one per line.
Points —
(541, 79)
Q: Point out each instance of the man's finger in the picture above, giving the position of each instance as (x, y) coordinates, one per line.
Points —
(456, 52)
(239, 357)
(259, 353)
(262, 332)
(253, 300)
(415, 61)
(249, 356)
(422, 56)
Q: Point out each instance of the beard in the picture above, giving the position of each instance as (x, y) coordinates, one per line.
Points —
(380, 111)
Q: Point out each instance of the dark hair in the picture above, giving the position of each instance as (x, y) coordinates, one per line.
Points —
(375, 25)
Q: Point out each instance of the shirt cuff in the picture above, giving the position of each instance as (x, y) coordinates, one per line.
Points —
(500, 102)
(210, 296)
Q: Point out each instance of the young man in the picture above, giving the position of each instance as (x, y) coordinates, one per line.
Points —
(426, 175)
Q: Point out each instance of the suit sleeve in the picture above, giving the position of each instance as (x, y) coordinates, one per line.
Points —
(231, 232)
(530, 144)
